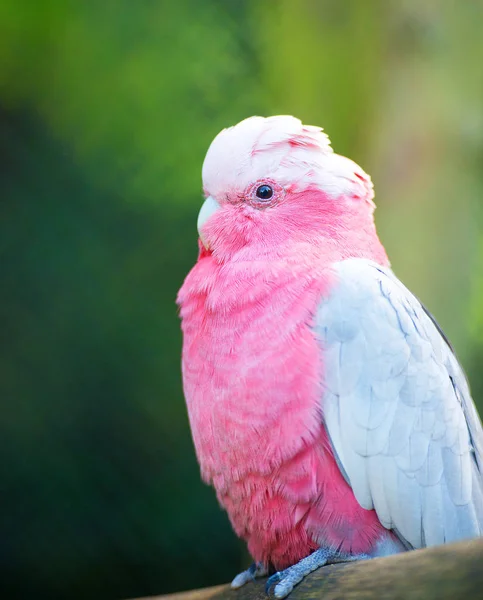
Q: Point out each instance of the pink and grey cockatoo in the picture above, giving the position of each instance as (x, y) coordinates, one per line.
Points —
(327, 408)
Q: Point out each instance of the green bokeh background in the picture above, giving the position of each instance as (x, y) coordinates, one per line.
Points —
(106, 111)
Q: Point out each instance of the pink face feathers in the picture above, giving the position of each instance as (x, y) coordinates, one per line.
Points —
(273, 180)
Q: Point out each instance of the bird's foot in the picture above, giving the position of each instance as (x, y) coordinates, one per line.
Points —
(283, 582)
(255, 570)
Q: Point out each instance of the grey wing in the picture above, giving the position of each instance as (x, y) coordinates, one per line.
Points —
(398, 410)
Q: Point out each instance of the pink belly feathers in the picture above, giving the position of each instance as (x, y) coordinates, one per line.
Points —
(253, 378)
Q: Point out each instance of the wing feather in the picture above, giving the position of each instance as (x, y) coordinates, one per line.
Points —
(398, 410)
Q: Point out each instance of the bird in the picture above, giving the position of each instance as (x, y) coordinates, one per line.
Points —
(327, 407)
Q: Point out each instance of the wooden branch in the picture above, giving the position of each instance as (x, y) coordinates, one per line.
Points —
(450, 572)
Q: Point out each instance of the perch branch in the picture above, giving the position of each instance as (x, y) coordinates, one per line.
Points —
(450, 572)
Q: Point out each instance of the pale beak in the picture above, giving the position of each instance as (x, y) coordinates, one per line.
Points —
(210, 206)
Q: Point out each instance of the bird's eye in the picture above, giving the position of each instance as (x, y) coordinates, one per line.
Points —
(264, 192)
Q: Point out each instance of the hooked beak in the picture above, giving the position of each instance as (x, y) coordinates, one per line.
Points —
(210, 206)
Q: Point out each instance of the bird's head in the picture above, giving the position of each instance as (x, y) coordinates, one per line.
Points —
(273, 182)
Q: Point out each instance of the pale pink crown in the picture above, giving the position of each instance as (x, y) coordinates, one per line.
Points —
(280, 148)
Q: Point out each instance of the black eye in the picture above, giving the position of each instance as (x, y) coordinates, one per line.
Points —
(264, 192)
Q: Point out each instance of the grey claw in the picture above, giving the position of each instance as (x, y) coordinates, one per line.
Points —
(272, 581)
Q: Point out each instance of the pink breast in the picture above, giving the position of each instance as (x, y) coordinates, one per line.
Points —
(252, 372)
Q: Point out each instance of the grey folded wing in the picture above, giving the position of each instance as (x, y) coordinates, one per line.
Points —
(398, 410)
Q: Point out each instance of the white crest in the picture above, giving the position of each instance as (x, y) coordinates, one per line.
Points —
(283, 149)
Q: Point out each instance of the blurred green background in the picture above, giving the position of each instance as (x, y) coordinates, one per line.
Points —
(106, 111)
